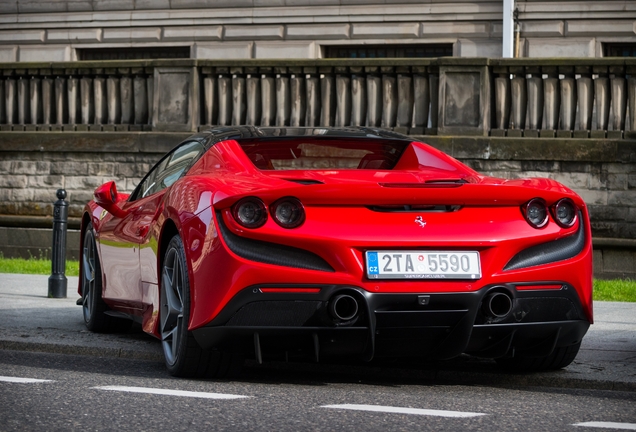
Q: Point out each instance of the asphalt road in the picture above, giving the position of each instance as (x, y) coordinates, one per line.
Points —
(119, 382)
(92, 393)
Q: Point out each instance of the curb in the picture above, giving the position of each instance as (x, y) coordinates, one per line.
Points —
(428, 374)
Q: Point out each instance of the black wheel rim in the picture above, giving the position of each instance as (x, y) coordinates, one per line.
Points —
(89, 256)
(172, 281)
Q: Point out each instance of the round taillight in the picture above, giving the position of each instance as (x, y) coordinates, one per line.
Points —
(288, 212)
(250, 212)
(536, 212)
(565, 213)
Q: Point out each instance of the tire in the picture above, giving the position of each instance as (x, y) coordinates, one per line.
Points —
(560, 358)
(183, 355)
(93, 307)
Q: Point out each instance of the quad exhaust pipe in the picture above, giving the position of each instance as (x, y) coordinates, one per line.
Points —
(343, 307)
(497, 305)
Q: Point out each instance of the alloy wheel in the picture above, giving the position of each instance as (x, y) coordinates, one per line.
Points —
(89, 256)
(172, 322)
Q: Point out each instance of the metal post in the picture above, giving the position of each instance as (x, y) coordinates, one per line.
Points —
(57, 280)
(508, 28)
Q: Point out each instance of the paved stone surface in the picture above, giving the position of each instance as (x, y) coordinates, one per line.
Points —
(30, 321)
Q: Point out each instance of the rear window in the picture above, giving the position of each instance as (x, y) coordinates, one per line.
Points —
(323, 154)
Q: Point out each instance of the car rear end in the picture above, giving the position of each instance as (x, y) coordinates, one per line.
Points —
(395, 262)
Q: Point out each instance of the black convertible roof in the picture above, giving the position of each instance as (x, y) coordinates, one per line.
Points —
(238, 133)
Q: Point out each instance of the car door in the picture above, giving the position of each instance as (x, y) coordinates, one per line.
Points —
(149, 209)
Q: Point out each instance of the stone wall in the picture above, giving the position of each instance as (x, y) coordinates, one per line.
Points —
(34, 165)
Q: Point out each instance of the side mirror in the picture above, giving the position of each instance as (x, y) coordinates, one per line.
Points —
(107, 197)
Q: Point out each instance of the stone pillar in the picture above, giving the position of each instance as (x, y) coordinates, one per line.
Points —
(73, 100)
(140, 99)
(23, 100)
(518, 90)
(101, 99)
(389, 100)
(209, 97)
(585, 92)
(113, 98)
(535, 101)
(502, 100)
(619, 102)
(11, 100)
(238, 100)
(224, 85)
(61, 100)
(358, 99)
(313, 96)
(35, 99)
(421, 100)
(552, 100)
(48, 100)
(268, 100)
(405, 98)
(283, 99)
(568, 103)
(297, 96)
(374, 100)
(254, 104)
(631, 88)
(150, 91)
(343, 99)
(602, 92)
(433, 82)
(127, 97)
(86, 99)
(329, 103)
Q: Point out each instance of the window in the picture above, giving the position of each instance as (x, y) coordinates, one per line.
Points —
(322, 154)
(619, 50)
(132, 53)
(168, 170)
(392, 51)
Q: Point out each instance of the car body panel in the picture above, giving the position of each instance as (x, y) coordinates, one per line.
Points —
(427, 202)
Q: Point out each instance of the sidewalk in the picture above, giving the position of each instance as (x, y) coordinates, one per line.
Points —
(29, 321)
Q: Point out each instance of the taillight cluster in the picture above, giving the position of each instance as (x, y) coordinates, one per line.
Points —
(537, 212)
(251, 212)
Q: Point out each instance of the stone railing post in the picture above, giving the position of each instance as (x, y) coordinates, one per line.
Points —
(619, 101)
(176, 98)
(465, 94)
(268, 97)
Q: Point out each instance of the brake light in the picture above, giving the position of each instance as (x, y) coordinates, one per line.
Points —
(250, 212)
(564, 212)
(288, 212)
(536, 212)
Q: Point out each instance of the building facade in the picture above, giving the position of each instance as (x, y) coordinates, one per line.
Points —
(68, 30)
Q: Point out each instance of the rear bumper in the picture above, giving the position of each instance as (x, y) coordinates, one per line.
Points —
(436, 325)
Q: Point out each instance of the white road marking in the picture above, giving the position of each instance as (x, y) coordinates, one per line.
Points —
(388, 409)
(171, 392)
(22, 380)
(608, 425)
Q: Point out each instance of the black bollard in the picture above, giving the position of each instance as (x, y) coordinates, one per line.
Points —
(57, 280)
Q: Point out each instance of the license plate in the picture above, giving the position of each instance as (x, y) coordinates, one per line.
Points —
(423, 265)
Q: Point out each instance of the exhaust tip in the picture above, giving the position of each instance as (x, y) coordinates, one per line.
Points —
(343, 307)
(497, 305)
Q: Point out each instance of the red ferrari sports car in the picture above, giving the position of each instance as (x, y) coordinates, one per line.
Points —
(326, 243)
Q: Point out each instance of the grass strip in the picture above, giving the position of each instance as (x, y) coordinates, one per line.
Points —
(621, 290)
(35, 266)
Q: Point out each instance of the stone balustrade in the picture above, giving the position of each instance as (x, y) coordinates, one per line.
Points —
(447, 96)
